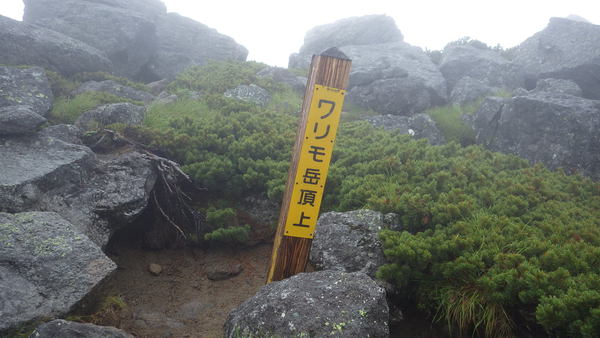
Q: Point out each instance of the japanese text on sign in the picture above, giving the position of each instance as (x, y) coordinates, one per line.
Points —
(317, 147)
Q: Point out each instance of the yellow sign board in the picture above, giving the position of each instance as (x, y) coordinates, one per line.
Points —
(317, 147)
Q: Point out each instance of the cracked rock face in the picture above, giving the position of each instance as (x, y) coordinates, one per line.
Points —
(317, 304)
(46, 266)
(545, 125)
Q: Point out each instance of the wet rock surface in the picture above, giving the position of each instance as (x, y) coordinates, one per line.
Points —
(317, 304)
(47, 265)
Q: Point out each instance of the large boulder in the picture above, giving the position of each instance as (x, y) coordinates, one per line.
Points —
(25, 86)
(124, 30)
(317, 304)
(184, 42)
(33, 165)
(418, 126)
(97, 195)
(114, 88)
(565, 49)
(559, 130)
(46, 267)
(124, 113)
(16, 120)
(66, 329)
(480, 63)
(394, 78)
(364, 30)
(24, 44)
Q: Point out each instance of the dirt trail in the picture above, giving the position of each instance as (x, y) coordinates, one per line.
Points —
(182, 301)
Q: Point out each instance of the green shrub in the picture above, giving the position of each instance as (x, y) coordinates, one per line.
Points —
(67, 110)
(220, 217)
(231, 235)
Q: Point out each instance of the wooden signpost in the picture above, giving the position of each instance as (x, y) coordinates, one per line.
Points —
(321, 110)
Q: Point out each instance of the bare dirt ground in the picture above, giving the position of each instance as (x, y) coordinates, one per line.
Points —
(181, 301)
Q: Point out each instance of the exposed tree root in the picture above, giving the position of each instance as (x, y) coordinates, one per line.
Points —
(175, 220)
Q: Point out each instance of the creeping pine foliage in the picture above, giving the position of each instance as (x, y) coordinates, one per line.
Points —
(490, 244)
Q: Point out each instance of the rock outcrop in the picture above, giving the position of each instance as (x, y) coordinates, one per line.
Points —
(183, 42)
(394, 78)
(559, 130)
(24, 44)
(317, 304)
(418, 126)
(124, 31)
(364, 30)
(66, 329)
(565, 49)
(124, 113)
(142, 41)
(348, 241)
(46, 267)
(97, 195)
(480, 63)
(25, 87)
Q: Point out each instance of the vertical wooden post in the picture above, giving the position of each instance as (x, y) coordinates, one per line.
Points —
(290, 254)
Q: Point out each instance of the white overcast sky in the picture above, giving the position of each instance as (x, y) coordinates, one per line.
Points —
(273, 29)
